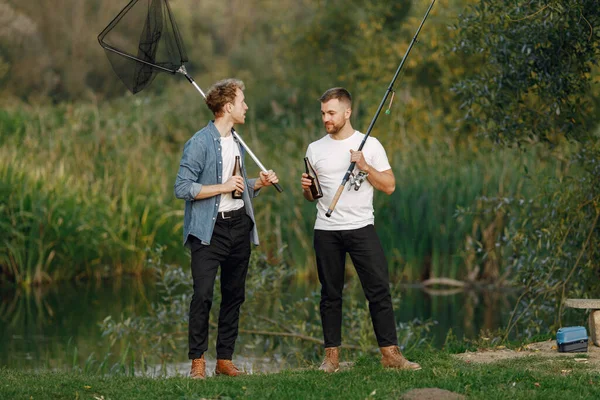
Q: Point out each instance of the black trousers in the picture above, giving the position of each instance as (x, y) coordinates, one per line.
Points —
(230, 248)
(368, 258)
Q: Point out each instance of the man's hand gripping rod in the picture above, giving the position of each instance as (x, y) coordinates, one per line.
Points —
(233, 132)
(340, 190)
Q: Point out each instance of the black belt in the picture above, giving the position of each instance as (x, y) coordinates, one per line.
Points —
(231, 214)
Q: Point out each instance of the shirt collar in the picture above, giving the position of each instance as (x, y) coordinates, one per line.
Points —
(213, 130)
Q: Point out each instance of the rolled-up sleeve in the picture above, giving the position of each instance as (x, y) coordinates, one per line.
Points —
(251, 191)
(190, 168)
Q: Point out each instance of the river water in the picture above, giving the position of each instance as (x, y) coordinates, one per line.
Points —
(58, 326)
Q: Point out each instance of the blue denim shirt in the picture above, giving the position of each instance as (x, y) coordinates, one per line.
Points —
(202, 164)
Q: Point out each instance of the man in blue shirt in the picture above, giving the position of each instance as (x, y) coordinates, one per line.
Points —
(217, 226)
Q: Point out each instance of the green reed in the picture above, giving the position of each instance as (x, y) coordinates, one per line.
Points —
(419, 224)
(87, 189)
(84, 193)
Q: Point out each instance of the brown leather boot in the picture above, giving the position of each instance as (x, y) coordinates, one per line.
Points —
(226, 367)
(198, 370)
(331, 363)
(393, 358)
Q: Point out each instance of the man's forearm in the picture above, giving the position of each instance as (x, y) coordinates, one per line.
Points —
(209, 191)
(382, 180)
(307, 195)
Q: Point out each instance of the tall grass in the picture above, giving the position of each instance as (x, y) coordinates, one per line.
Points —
(419, 224)
(86, 189)
(84, 193)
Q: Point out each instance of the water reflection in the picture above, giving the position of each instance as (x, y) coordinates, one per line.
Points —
(466, 313)
(41, 326)
(57, 327)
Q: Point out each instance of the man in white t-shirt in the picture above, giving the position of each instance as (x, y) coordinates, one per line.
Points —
(217, 227)
(350, 229)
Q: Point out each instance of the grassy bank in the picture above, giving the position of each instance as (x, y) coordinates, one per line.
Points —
(528, 378)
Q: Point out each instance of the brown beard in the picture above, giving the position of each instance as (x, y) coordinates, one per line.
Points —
(336, 128)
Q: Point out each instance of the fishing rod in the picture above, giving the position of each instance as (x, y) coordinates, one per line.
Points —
(389, 90)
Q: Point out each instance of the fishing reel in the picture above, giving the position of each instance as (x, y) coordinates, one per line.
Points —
(357, 181)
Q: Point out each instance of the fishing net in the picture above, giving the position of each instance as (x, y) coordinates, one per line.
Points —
(141, 41)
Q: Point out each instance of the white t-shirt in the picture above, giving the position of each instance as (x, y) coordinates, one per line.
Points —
(331, 158)
(229, 149)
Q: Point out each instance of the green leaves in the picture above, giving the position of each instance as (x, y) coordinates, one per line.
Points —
(532, 81)
(531, 77)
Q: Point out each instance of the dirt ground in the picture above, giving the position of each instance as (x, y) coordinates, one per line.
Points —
(539, 349)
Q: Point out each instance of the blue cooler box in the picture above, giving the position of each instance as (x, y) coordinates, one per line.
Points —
(572, 339)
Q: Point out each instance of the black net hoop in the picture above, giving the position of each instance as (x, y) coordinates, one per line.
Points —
(141, 41)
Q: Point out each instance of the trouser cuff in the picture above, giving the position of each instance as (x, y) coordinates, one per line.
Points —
(194, 356)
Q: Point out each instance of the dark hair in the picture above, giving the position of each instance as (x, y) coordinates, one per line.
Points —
(221, 93)
(336, 93)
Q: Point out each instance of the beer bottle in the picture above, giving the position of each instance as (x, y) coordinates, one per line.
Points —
(315, 186)
(237, 171)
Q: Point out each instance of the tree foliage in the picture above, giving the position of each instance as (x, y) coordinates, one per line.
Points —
(533, 63)
(535, 80)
